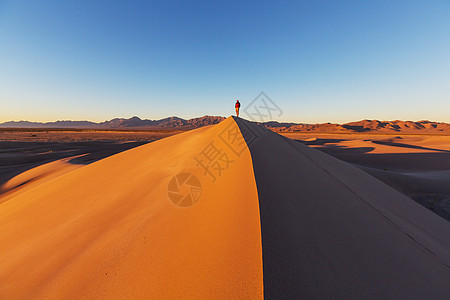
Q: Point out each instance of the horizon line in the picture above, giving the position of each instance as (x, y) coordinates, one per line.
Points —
(219, 116)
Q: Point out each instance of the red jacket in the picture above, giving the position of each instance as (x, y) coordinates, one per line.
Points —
(237, 105)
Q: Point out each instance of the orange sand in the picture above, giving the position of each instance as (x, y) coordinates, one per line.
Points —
(108, 229)
(35, 176)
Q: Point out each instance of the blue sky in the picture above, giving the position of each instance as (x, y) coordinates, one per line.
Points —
(320, 61)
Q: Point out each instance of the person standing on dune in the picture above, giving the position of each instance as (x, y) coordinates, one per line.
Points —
(237, 105)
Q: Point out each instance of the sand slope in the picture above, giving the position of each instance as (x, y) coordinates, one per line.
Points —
(35, 176)
(108, 230)
(329, 230)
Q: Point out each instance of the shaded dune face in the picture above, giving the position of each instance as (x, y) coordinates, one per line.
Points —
(232, 211)
(330, 230)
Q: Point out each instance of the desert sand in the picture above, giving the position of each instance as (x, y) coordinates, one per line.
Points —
(415, 165)
(274, 218)
(19, 157)
(330, 230)
(108, 230)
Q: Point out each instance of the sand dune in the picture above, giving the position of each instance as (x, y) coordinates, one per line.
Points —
(35, 176)
(273, 218)
(108, 229)
(416, 165)
(329, 230)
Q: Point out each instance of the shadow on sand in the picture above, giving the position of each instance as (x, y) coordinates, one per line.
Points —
(18, 157)
(402, 145)
(416, 175)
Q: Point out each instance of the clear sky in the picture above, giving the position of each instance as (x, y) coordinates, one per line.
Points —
(319, 61)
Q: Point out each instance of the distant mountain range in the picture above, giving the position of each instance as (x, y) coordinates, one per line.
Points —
(120, 123)
(179, 123)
